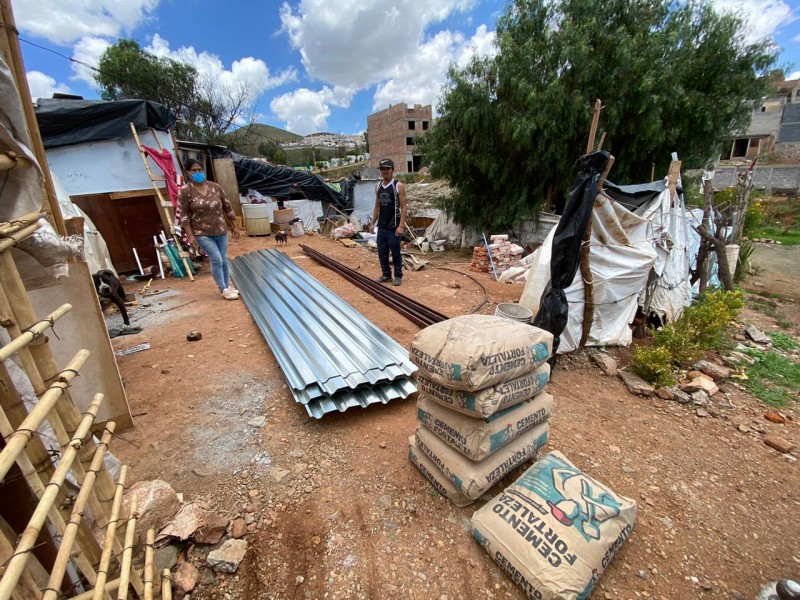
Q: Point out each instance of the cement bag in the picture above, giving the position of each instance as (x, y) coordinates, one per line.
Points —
(472, 478)
(484, 403)
(478, 438)
(473, 352)
(555, 529)
(438, 480)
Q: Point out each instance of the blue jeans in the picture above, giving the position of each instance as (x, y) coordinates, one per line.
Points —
(216, 248)
(389, 241)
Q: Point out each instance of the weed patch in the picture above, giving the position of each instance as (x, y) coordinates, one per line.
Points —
(774, 379)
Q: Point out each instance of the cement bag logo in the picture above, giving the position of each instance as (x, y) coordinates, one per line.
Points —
(573, 498)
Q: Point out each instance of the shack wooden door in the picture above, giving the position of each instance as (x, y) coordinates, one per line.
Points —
(125, 223)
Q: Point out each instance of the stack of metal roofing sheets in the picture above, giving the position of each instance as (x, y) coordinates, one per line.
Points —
(332, 357)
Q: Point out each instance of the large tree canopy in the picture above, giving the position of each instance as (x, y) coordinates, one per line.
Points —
(127, 71)
(672, 76)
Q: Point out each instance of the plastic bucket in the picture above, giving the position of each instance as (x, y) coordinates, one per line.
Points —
(515, 312)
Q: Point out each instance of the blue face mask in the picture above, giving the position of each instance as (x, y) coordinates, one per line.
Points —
(198, 177)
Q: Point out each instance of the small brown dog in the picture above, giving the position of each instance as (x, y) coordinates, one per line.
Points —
(280, 238)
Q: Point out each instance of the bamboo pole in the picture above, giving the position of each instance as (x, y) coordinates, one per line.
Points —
(8, 227)
(161, 202)
(110, 537)
(31, 332)
(148, 564)
(16, 565)
(127, 555)
(17, 441)
(9, 41)
(71, 532)
(26, 586)
(38, 488)
(12, 410)
(110, 586)
(40, 366)
(14, 238)
(166, 585)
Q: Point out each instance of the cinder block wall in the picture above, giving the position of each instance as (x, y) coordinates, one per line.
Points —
(388, 131)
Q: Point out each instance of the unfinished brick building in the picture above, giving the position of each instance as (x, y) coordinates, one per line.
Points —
(391, 134)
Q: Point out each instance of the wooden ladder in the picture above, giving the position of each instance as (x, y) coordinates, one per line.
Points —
(163, 205)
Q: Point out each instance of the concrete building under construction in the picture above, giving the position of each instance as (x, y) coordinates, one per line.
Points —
(391, 134)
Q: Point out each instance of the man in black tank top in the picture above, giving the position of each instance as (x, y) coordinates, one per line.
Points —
(390, 215)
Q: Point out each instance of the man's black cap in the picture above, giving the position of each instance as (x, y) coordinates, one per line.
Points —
(386, 162)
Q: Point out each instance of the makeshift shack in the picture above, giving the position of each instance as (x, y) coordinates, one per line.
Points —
(91, 148)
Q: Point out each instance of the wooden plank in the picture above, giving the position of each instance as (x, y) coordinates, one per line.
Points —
(225, 175)
(134, 193)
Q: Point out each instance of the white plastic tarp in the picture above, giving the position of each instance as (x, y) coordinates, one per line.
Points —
(95, 250)
(621, 255)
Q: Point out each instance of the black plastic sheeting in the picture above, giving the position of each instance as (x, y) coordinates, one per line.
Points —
(567, 240)
(69, 122)
(279, 182)
(635, 196)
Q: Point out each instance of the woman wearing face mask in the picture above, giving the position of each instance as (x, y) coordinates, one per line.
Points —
(204, 209)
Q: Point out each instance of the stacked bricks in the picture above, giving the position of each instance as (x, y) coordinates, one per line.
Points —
(480, 260)
(504, 255)
(481, 409)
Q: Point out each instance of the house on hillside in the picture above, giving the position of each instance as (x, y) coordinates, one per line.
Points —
(391, 134)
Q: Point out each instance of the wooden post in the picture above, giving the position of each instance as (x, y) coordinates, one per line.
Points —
(593, 130)
(9, 44)
(586, 267)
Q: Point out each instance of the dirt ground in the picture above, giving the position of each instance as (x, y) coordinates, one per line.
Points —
(338, 511)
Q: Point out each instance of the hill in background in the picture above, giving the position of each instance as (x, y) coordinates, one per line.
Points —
(246, 139)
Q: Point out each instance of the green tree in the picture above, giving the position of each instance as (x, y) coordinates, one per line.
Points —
(672, 77)
(127, 71)
(272, 151)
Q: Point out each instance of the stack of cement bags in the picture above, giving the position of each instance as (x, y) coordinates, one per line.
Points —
(555, 529)
(482, 410)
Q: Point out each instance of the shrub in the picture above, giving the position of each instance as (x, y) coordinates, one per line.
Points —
(654, 365)
(701, 327)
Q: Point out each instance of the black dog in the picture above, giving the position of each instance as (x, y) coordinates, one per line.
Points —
(108, 286)
(280, 238)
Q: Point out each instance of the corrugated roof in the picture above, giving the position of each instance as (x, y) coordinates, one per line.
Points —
(332, 357)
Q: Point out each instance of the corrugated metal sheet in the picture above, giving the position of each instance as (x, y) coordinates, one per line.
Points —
(332, 357)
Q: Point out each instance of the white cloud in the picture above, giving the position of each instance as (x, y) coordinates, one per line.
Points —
(764, 17)
(65, 21)
(248, 71)
(355, 43)
(43, 86)
(305, 111)
(793, 76)
(87, 51)
(420, 78)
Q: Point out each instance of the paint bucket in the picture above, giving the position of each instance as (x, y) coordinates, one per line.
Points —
(515, 312)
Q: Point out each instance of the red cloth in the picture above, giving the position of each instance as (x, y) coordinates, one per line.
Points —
(164, 161)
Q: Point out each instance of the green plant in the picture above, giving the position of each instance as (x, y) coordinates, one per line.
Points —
(653, 364)
(746, 249)
(784, 342)
(701, 327)
(774, 379)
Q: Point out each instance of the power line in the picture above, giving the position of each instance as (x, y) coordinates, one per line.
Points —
(148, 91)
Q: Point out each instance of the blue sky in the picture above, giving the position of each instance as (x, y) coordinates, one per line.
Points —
(309, 65)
